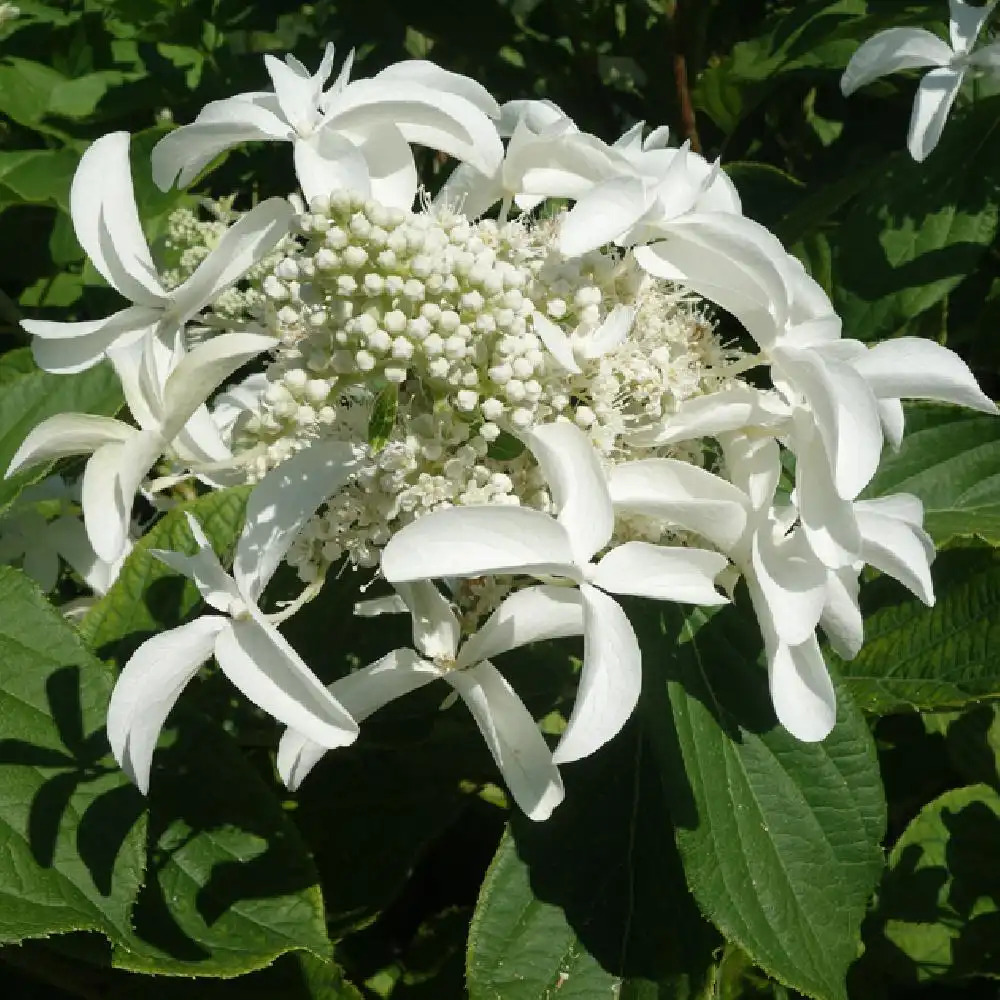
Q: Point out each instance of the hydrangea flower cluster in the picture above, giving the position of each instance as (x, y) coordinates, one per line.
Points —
(509, 401)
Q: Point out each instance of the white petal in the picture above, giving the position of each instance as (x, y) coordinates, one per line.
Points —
(150, 683)
(664, 573)
(891, 51)
(430, 75)
(186, 151)
(241, 246)
(576, 480)
(391, 169)
(841, 619)
(537, 116)
(137, 363)
(67, 348)
(391, 604)
(890, 412)
(729, 260)
(901, 550)
(966, 23)
(436, 630)
(473, 541)
(682, 494)
(561, 164)
(259, 661)
(610, 679)
(827, 519)
(792, 583)
(556, 342)
(611, 334)
(917, 368)
(513, 738)
(66, 434)
(298, 94)
(280, 505)
(903, 507)
(102, 204)
(470, 191)
(70, 538)
(326, 162)
(935, 96)
(717, 413)
(110, 482)
(425, 116)
(844, 410)
(802, 692)
(204, 369)
(603, 215)
(362, 692)
(214, 584)
(534, 614)
(754, 465)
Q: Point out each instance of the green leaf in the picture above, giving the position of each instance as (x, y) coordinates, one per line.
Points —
(950, 458)
(70, 822)
(779, 839)
(383, 418)
(592, 902)
(29, 396)
(938, 912)
(37, 176)
(230, 885)
(939, 658)
(920, 229)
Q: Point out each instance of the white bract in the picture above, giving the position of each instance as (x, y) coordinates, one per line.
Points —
(353, 136)
(530, 615)
(106, 221)
(249, 649)
(915, 48)
(122, 455)
(476, 541)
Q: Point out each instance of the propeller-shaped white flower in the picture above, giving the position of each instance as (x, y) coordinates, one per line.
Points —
(120, 454)
(477, 541)
(792, 591)
(249, 649)
(912, 48)
(354, 136)
(521, 753)
(849, 391)
(106, 221)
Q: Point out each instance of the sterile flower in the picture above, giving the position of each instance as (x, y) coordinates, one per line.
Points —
(106, 221)
(121, 455)
(847, 390)
(354, 136)
(249, 649)
(910, 48)
(530, 615)
(484, 540)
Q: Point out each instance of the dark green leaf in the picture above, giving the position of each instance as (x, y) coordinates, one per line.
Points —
(592, 902)
(938, 912)
(383, 418)
(70, 822)
(920, 229)
(779, 839)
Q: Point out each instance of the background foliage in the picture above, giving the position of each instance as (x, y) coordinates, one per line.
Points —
(701, 854)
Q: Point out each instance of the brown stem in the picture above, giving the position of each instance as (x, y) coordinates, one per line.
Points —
(689, 123)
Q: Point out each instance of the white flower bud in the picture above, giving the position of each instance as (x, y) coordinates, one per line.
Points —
(466, 400)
